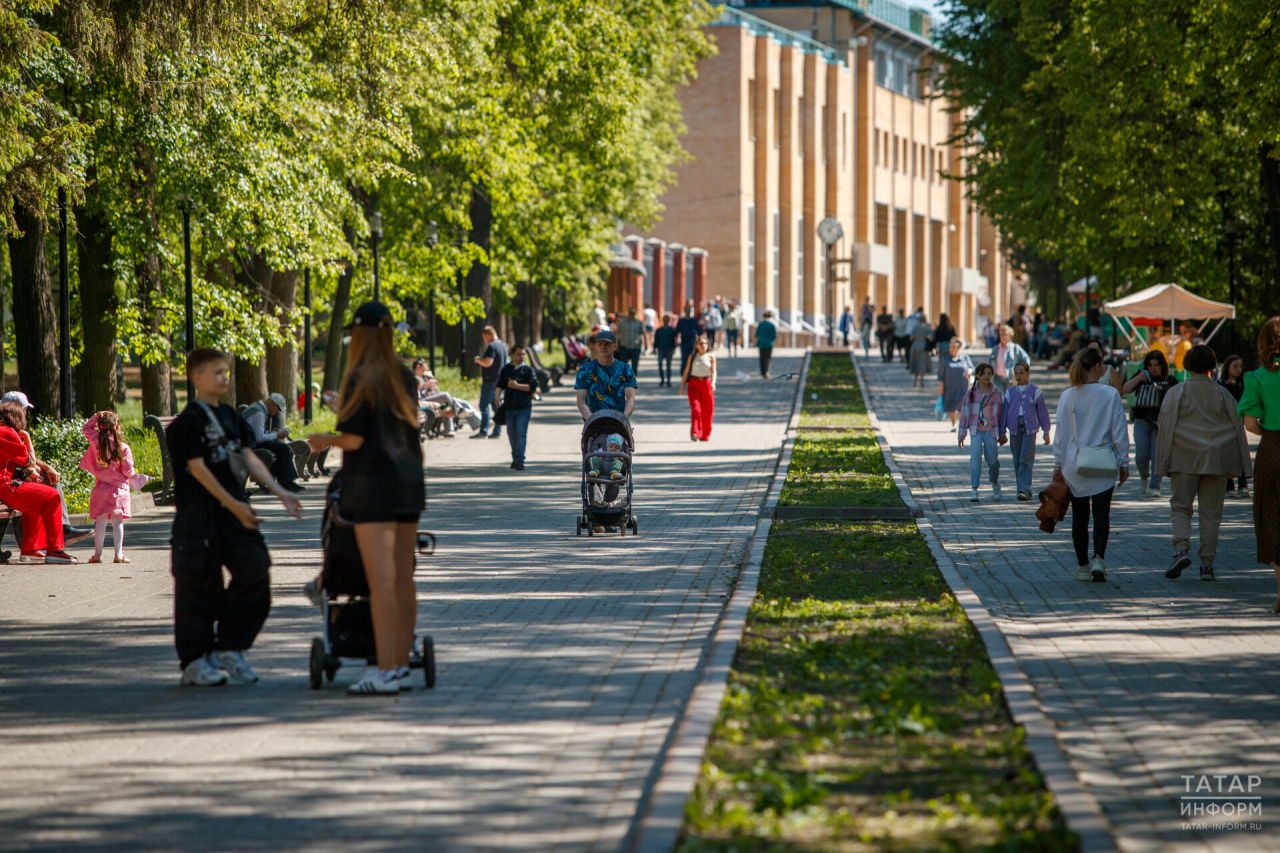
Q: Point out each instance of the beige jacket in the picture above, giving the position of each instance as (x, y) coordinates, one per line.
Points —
(1200, 432)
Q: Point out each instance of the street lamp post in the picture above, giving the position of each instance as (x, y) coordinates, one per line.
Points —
(830, 232)
(1230, 228)
(64, 308)
(306, 344)
(433, 237)
(375, 237)
(184, 201)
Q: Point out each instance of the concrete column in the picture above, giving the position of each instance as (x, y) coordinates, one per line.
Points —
(699, 275)
(678, 284)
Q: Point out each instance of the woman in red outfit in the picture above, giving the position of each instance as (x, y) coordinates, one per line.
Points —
(21, 489)
(700, 378)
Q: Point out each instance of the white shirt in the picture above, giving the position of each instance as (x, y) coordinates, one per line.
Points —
(650, 317)
(1099, 415)
(598, 317)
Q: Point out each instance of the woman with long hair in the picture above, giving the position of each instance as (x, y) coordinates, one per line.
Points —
(1149, 385)
(1260, 409)
(110, 461)
(700, 378)
(382, 487)
(1090, 421)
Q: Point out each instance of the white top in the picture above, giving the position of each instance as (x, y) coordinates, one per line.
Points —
(650, 317)
(701, 366)
(1100, 418)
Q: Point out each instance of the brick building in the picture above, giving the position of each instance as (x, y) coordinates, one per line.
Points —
(814, 111)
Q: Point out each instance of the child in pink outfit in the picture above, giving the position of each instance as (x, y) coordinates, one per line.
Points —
(110, 461)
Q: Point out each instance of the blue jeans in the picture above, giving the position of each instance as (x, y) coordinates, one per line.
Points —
(983, 443)
(1144, 442)
(517, 429)
(488, 396)
(1023, 446)
(664, 365)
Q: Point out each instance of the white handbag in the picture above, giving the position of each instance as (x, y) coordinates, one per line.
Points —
(1091, 461)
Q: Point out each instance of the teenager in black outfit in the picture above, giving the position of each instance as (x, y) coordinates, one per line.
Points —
(517, 381)
(383, 492)
(214, 526)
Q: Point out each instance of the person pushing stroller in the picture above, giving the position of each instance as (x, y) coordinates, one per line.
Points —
(606, 384)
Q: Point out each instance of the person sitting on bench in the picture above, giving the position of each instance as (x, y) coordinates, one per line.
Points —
(429, 392)
(273, 440)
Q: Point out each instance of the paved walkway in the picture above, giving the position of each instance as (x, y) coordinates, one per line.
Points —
(562, 663)
(1147, 679)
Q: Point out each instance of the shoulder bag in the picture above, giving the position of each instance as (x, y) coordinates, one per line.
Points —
(1093, 460)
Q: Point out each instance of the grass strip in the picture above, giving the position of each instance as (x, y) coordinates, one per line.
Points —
(862, 713)
(832, 397)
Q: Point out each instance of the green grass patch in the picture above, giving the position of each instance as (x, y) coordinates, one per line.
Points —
(863, 714)
(831, 394)
(838, 469)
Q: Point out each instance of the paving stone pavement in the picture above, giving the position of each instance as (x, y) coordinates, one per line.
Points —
(1147, 679)
(563, 662)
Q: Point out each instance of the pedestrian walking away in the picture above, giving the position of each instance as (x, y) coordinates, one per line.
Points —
(491, 362)
(1004, 355)
(383, 492)
(732, 326)
(517, 383)
(689, 330)
(215, 528)
(1201, 445)
(901, 333)
(664, 341)
(866, 320)
(1232, 378)
(1260, 409)
(884, 333)
(846, 325)
(700, 380)
(631, 340)
(980, 416)
(955, 369)
(650, 326)
(1149, 386)
(921, 363)
(110, 461)
(1022, 415)
(1090, 450)
(943, 334)
(766, 333)
(712, 324)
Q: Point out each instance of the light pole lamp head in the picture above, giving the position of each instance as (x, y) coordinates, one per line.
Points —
(1229, 225)
(375, 226)
(184, 200)
(433, 234)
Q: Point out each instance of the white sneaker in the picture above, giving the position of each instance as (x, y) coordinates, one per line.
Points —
(1156, 493)
(973, 498)
(237, 668)
(1082, 574)
(372, 682)
(201, 673)
(404, 675)
(1098, 570)
(995, 493)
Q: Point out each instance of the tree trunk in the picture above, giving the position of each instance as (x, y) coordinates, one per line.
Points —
(341, 302)
(254, 275)
(282, 361)
(96, 375)
(1270, 168)
(157, 395)
(230, 397)
(479, 284)
(34, 324)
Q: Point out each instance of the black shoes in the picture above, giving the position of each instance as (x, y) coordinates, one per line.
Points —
(72, 535)
(517, 466)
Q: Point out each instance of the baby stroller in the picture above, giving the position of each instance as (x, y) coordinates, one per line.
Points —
(348, 623)
(604, 502)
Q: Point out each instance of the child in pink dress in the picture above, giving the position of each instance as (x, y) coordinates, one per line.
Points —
(110, 461)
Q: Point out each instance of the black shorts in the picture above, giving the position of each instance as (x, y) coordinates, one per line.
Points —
(382, 517)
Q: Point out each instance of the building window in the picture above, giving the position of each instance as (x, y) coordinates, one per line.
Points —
(895, 152)
(777, 257)
(898, 72)
(751, 110)
(914, 173)
(799, 266)
(751, 249)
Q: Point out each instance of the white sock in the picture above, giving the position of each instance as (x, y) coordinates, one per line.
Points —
(99, 535)
(117, 533)
(386, 674)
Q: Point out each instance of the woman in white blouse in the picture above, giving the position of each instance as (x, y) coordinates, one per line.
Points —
(1098, 422)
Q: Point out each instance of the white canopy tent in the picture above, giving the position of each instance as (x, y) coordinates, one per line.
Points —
(1168, 302)
(1079, 286)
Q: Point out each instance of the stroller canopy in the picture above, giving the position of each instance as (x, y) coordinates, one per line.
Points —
(606, 421)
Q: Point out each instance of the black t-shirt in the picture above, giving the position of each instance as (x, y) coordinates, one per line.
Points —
(516, 399)
(498, 352)
(383, 478)
(192, 435)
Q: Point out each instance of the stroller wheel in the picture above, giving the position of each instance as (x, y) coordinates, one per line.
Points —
(591, 530)
(317, 663)
(428, 662)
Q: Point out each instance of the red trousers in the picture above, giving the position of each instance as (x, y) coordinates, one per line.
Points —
(41, 509)
(702, 405)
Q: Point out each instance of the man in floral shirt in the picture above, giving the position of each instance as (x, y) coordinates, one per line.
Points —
(604, 382)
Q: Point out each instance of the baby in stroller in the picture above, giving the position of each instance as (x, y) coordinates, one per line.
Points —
(606, 475)
(613, 444)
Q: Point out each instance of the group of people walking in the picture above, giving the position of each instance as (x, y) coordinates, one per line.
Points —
(1191, 433)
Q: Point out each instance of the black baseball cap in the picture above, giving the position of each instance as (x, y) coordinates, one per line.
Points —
(605, 335)
(371, 314)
